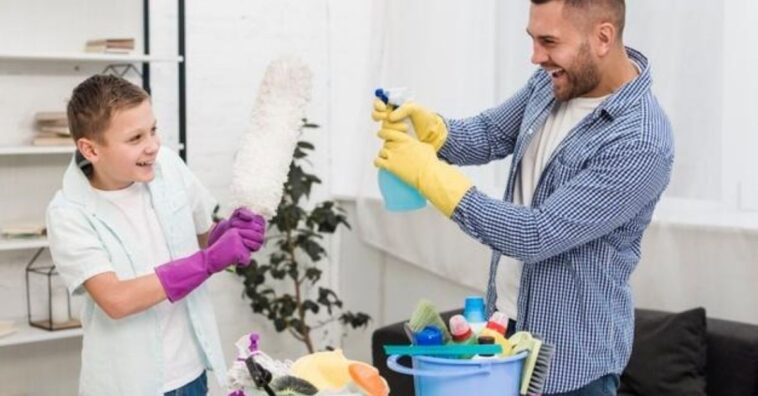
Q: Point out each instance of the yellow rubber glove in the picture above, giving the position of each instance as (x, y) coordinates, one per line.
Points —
(430, 127)
(416, 163)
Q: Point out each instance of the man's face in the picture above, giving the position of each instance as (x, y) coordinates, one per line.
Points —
(128, 150)
(563, 49)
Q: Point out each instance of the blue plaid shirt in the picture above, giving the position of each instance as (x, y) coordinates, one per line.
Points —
(580, 239)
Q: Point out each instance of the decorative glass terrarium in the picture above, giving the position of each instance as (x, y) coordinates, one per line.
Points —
(48, 300)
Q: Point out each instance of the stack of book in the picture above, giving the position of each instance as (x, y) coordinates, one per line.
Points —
(52, 129)
(23, 231)
(110, 45)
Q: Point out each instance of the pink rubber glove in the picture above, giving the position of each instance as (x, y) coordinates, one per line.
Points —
(242, 219)
(181, 276)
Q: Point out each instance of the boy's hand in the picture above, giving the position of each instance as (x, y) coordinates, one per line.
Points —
(179, 277)
(242, 219)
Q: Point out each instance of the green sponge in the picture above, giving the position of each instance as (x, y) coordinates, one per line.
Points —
(426, 315)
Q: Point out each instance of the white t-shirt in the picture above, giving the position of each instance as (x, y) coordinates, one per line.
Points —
(181, 352)
(562, 119)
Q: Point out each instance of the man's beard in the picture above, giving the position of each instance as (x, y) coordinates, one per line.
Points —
(583, 76)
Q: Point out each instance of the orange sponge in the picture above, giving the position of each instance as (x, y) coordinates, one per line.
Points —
(368, 379)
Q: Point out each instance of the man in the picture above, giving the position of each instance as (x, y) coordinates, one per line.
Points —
(592, 153)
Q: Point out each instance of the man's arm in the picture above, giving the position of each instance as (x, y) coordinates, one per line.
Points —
(614, 188)
(488, 136)
(123, 298)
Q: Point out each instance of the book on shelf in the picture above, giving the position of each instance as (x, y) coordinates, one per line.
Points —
(52, 140)
(55, 130)
(52, 129)
(110, 45)
(51, 118)
(17, 231)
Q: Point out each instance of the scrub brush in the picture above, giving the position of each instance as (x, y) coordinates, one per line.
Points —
(426, 315)
(266, 149)
(537, 365)
(292, 386)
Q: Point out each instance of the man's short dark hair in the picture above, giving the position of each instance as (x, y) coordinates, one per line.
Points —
(613, 11)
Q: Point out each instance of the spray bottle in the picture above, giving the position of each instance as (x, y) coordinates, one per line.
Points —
(496, 328)
(398, 196)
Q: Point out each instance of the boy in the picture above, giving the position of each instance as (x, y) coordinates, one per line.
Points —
(130, 233)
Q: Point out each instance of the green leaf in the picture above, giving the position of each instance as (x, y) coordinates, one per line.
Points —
(280, 324)
(309, 305)
(313, 274)
(355, 320)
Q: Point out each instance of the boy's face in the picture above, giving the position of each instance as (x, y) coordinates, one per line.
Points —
(127, 150)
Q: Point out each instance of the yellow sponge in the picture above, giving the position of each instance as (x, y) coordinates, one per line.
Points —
(325, 370)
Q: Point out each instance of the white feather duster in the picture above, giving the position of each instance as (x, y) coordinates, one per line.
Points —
(265, 151)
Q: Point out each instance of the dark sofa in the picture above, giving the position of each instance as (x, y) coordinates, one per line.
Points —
(731, 361)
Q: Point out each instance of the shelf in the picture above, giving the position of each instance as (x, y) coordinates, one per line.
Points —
(87, 57)
(22, 244)
(24, 150)
(26, 334)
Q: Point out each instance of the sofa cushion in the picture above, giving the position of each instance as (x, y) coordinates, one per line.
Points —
(732, 358)
(668, 356)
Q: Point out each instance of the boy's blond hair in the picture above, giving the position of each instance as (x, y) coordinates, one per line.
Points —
(95, 100)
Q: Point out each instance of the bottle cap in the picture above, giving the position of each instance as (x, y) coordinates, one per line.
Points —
(473, 309)
(498, 322)
(486, 340)
(430, 335)
(459, 328)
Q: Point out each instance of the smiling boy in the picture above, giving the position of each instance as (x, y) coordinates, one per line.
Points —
(130, 234)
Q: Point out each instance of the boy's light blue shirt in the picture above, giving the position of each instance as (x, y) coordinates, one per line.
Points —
(87, 237)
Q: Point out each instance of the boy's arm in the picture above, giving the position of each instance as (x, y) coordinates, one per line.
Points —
(123, 298)
(202, 240)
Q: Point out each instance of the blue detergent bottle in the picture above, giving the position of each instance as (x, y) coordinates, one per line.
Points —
(398, 196)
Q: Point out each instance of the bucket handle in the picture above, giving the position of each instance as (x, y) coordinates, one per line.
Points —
(393, 364)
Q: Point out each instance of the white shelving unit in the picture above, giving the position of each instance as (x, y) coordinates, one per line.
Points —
(26, 334)
(31, 150)
(86, 57)
(22, 244)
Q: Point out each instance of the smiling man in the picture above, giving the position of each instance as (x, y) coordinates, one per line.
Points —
(592, 153)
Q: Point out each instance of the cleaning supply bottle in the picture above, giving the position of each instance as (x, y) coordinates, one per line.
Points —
(398, 196)
(461, 333)
(484, 340)
(496, 328)
(430, 335)
(473, 311)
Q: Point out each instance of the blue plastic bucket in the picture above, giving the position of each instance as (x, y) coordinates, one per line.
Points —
(399, 196)
(433, 376)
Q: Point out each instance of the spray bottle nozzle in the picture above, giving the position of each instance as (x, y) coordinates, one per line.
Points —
(379, 93)
(394, 97)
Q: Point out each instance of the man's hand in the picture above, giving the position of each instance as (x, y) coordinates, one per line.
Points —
(429, 127)
(416, 163)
